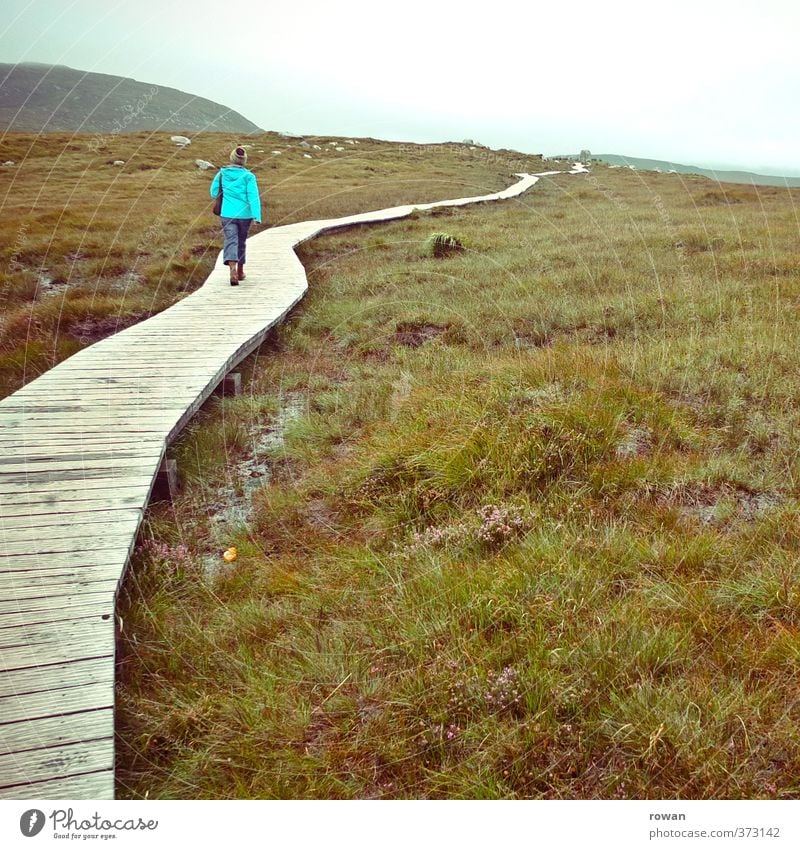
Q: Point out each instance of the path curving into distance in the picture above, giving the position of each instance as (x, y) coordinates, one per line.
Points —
(80, 448)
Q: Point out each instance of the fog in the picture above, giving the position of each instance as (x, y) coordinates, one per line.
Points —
(705, 83)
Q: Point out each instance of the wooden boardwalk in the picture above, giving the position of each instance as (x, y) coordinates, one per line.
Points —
(80, 448)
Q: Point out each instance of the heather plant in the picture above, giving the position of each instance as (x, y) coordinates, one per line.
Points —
(441, 536)
(499, 525)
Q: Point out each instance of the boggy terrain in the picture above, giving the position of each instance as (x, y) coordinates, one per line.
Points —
(517, 521)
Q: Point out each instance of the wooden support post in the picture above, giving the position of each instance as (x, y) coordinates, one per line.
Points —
(230, 386)
(166, 485)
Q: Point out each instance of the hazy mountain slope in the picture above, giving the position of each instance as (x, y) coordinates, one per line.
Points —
(49, 98)
(722, 176)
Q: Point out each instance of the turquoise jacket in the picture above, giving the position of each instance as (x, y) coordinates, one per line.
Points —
(239, 192)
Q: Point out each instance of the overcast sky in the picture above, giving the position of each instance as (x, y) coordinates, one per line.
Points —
(703, 82)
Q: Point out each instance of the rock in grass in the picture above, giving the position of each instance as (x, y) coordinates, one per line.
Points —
(181, 141)
(442, 244)
(119, 162)
(203, 164)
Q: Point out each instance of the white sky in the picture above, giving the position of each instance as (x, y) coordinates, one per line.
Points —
(703, 82)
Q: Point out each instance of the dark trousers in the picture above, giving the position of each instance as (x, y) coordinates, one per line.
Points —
(235, 230)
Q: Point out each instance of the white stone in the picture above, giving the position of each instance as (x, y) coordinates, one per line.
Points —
(304, 143)
(307, 156)
(119, 162)
(350, 141)
(203, 164)
(276, 153)
(180, 140)
(339, 148)
(317, 147)
(9, 163)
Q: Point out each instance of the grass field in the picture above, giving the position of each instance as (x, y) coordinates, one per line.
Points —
(518, 522)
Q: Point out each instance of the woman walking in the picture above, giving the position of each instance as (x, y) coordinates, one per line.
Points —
(241, 206)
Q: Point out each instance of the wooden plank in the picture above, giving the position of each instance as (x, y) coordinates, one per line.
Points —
(37, 645)
(66, 477)
(159, 368)
(85, 409)
(37, 436)
(54, 600)
(77, 388)
(57, 762)
(57, 527)
(75, 489)
(59, 561)
(80, 453)
(132, 418)
(37, 544)
(113, 465)
(97, 627)
(93, 785)
(56, 615)
(36, 430)
(56, 731)
(55, 677)
(58, 701)
(70, 501)
(68, 509)
(74, 581)
(53, 521)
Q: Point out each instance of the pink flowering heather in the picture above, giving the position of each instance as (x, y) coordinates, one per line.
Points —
(437, 537)
(499, 525)
(503, 691)
(177, 557)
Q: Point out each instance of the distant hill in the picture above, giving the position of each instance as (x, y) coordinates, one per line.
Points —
(53, 98)
(722, 176)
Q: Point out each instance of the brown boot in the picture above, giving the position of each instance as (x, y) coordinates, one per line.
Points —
(234, 275)
(240, 271)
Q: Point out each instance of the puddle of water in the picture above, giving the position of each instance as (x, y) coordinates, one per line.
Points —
(231, 504)
(46, 287)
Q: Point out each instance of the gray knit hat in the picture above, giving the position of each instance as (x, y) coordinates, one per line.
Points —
(239, 156)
